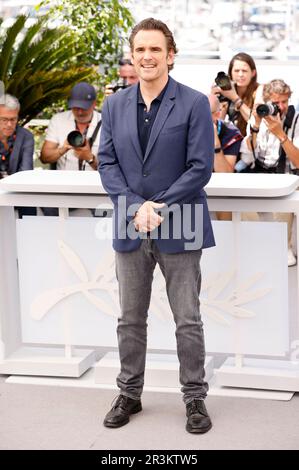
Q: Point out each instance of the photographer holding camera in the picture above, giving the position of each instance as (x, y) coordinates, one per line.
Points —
(272, 142)
(227, 143)
(72, 138)
(127, 77)
(227, 140)
(238, 90)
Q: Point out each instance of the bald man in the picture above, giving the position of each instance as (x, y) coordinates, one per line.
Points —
(227, 140)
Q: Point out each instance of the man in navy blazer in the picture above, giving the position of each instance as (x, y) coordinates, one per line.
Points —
(16, 143)
(156, 155)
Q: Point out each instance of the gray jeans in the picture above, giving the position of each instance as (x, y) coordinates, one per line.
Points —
(182, 274)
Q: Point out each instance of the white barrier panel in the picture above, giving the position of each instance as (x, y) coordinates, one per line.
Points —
(69, 294)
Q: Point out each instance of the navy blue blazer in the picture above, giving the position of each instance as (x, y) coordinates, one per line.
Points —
(177, 165)
(21, 157)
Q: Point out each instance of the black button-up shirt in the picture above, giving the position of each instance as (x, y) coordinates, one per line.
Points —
(146, 119)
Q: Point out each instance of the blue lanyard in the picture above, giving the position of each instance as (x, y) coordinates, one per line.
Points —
(219, 125)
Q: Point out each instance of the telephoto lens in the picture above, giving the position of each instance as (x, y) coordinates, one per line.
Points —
(223, 81)
(76, 139)
(267, 109)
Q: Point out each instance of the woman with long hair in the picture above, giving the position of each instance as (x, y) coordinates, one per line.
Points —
(242, 95)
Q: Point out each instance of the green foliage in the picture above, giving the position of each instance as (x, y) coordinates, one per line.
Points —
(100, 27)
(37, 66)
(76, 40)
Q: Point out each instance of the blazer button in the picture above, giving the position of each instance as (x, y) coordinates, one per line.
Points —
(145, 174)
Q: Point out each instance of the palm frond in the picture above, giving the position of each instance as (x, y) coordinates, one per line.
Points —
(7, 49)
(41, 69)
(23, 55)
(48, 88)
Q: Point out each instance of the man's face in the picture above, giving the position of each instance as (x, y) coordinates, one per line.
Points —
(150, 56)
(282, 102)
(83, 115)
(8, 121)
(215, 108)
(127, 72)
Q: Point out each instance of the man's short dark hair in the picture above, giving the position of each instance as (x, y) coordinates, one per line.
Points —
(152, 24)
(124, 61)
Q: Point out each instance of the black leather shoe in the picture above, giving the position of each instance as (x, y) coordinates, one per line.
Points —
(198, 419)
(119, 414)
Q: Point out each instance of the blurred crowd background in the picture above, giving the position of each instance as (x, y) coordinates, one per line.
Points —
(215, 29)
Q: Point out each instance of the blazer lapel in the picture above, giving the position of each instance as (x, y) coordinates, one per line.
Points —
(131, 121)
(164, 110)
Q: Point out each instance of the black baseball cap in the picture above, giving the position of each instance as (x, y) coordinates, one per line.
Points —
(82, 96)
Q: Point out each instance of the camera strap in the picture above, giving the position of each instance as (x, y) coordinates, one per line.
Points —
(91, 141)
(286, 126)
(81, 164)
(95, 133)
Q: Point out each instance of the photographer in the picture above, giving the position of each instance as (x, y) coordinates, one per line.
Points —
(272, 143)
(127, 76)
(227, 139)
(227, 143)
(66, 154)
(238, 92)
(16, 144)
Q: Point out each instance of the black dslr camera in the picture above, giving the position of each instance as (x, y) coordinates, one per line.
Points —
(76, 139)
(223, 81)
(119, 85)
(267, 109)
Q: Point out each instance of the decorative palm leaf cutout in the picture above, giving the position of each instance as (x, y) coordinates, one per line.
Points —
(48, 299)
(103, 278)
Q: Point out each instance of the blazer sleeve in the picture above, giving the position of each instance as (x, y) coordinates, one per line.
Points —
(112, 177)
(27, 148)
(199, 157)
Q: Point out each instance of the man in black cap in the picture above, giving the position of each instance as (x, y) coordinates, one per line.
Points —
(81, 117)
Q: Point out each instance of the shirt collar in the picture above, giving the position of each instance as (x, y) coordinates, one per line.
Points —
(158, 98)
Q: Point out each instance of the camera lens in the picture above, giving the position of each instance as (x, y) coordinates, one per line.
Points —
(75, 139)
(262, 110)
(223, 81)
(267, 109)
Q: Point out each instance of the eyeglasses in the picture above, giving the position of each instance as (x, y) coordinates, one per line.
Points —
(6, 120)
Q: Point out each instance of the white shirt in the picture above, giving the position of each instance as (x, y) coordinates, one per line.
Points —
(60, 126)
(268, 145)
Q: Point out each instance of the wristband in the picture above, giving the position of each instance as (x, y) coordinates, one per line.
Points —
(91, 160)
(217, 150)
(237, 104)
(254, 129)
(283, 140)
